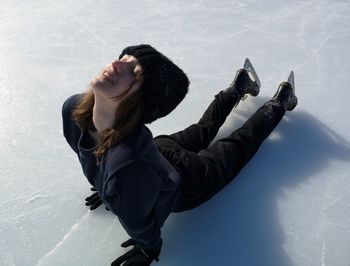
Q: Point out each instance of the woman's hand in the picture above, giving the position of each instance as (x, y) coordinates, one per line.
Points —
(137, 256)
(94, 200)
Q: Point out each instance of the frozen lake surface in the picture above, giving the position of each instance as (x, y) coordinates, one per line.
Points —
(289, 206)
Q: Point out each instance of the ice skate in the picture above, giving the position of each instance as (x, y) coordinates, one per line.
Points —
(245, 82)
(285, 94)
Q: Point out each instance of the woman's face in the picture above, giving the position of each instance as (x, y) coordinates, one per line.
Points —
(118, 77)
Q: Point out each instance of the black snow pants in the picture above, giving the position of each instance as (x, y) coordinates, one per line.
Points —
(206, 170)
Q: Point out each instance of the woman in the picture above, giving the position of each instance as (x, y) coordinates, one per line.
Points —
(142, 179)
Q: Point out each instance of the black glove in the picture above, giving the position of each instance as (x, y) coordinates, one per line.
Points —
(137, 256)
(94, 200)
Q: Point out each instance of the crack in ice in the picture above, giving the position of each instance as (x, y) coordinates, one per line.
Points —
(65, 237)
(323, 253)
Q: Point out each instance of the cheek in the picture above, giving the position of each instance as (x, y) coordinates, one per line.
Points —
(125, 83)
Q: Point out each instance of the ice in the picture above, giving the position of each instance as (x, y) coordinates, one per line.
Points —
(289, 206)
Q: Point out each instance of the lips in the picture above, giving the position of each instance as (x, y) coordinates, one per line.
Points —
(108, 77)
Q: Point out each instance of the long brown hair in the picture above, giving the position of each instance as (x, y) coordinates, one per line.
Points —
(128, 115)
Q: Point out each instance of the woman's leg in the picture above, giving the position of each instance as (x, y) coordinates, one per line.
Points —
(208, 171)
(199, 135)
(230, 154)
(205, 173)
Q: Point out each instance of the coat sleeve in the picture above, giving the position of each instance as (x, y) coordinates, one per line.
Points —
(70, 130)
(130, 193)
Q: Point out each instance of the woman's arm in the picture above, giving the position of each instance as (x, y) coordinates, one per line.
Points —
(70, 130)
(131, 193)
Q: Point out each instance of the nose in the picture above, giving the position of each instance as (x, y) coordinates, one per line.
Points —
(117, 66)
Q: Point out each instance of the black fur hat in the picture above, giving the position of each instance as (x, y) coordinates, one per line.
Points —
(164, 84)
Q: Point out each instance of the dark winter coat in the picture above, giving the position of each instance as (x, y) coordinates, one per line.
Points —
(134, 181)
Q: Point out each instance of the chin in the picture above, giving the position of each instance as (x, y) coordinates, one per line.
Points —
(98, 84)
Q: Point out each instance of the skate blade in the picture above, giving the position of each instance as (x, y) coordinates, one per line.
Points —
(291, 80)
(251, 71)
